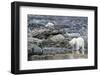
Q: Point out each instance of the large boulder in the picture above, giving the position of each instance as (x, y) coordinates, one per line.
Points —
(34, 40)
(57, 38)
(40, 33)
(44, 33)
(34, 50)
(33, 45)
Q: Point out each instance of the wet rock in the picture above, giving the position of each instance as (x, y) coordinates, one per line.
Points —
(53, 50)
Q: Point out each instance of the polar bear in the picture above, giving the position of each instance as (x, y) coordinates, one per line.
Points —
(77, 44)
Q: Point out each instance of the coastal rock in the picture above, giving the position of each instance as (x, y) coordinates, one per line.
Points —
(57, 38)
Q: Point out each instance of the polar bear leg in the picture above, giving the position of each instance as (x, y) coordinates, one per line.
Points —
(77, 49)
(83, 52)
(73, 50)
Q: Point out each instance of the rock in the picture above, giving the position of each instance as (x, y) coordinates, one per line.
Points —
(44, 33)
(34, 40)
(40, 33)
(72, 34)
(50, 25)
(29, 35)
(53, 50)
(33, 45)
(34, 50)
(55, 32)
(35, 32)
(57, 38)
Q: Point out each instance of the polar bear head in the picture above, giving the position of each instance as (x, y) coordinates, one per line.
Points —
(72, 42)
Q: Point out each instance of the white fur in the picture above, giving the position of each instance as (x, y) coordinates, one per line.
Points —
(79, 43)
